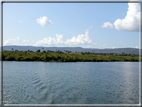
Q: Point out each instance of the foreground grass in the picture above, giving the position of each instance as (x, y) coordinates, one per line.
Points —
(65, 57)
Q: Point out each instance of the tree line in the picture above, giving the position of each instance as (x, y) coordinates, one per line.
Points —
(66, 56)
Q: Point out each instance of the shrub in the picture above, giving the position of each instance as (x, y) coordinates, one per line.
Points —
(10, 58)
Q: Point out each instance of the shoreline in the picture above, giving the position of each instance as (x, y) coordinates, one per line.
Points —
(70, 61)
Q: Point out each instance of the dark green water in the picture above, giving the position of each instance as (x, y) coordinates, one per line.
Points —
(71, 83)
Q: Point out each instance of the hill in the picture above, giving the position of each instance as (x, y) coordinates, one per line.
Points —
(74, 49)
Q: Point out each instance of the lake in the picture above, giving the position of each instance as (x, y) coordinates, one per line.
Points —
(70, 82)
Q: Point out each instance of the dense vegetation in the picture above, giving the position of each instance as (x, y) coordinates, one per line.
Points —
(66, 56)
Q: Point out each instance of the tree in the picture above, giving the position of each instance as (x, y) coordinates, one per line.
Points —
(44, 51)
(38, 50)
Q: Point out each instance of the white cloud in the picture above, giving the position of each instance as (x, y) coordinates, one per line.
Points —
(82, 39)
(107, 25)
(14, 41)
(9, 41)
(113, 47)
(25, 41)
(59, 38)
(43, 21)
(131, 20)
(136, 47)
(18, 39)
(50, 41)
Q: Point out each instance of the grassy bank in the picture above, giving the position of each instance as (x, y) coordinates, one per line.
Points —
(60, 56)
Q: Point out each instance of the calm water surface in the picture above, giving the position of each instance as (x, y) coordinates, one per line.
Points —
(71, 83)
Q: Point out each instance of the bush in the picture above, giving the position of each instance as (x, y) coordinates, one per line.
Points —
(10, 58)
(27, 59)
(19, 58)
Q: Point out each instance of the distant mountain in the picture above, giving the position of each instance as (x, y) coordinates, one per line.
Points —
(74, 49)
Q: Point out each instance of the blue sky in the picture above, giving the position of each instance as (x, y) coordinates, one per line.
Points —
(87, 25)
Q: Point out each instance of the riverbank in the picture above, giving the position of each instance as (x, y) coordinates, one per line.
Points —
(50, 56)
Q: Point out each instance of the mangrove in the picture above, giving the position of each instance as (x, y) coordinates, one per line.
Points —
(67, 56)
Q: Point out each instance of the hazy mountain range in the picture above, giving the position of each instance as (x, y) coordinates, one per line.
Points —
(74, 49)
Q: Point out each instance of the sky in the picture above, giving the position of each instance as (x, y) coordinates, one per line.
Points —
(87, 25)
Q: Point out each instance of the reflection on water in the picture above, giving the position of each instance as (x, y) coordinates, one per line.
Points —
(130, 74)
(71, 83)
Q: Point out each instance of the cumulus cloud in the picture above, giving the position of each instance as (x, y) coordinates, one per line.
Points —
(25, 41)
(131, 20)
(9, 41)
(136, 47)
(51, 41)
(82, 39)
(43, 21)
(14, 41)
(107, 25)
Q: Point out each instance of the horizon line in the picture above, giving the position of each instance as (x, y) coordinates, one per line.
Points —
(67, 47)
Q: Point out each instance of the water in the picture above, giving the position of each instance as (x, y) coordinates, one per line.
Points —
(71, 82)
